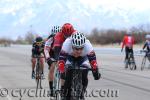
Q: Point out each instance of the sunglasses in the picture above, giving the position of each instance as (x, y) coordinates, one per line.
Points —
(38, 43)
(78, 48)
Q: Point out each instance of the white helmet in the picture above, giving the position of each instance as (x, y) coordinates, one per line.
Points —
(55, 29)
(147, 36)
(78, 39)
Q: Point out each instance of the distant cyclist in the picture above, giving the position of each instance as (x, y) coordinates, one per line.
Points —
(147, 45)
(77, 48)
(37, 49)
(128, 42)
(49, 54)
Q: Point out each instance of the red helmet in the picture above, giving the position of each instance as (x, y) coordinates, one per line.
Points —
(67, 29)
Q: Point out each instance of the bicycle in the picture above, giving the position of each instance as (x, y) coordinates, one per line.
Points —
(56, 85)
(38, 74)
(130, 62)
(76, 90)
(147, 55)
(56, 82)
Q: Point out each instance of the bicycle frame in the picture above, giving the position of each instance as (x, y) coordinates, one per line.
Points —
(38, 73)
(144, 59)
(130, 61)
(76, 83)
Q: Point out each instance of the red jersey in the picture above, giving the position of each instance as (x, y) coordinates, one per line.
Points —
(128, 41)
(59, 39)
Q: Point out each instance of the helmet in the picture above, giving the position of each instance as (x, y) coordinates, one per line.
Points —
(78, 40)
(55, 29)
(39, 39)
(67, 29)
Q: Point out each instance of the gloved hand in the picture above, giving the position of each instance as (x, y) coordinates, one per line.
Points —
(61, 66)
(96, 74)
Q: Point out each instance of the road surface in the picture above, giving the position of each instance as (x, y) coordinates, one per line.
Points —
(116, 82)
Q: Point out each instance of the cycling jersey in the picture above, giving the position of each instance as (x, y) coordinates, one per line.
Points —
(67, 51)
(37, 50)
(128, 41)
(48, 49)
(59, 39)
(147, 44)
(58, 42)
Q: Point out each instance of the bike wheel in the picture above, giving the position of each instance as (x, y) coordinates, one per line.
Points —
(143, 63)
(126, 65)
(37, 86)
(57, 86)
(58, 95)
(132, 66)
(76, 88)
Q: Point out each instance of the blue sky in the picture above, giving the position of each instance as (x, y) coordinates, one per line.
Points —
(16, 16)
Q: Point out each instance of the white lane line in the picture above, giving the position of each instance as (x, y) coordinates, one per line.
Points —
(8, 97)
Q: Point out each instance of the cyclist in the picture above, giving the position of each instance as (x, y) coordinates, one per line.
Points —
(147, 45)
(66, 31)
(49, 54)
(77, 48)
(37, 49)
(128, 42)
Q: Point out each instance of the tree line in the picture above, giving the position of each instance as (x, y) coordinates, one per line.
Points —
(96, 36)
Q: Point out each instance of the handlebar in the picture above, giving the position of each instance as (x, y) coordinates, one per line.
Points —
(145, 51)
(79, 68)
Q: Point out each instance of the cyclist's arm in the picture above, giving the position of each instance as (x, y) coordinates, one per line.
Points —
(144, 45)
(62, 61)
(92, 59)
(91, 55)
(47, 48)
(123, 42)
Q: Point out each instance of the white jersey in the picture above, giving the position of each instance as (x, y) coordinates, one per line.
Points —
(67, 48)
(148, 43)
(48, 47)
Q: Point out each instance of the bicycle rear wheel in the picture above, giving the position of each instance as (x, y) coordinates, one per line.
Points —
(143, 63)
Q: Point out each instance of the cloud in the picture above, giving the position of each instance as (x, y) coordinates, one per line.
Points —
(84, 14)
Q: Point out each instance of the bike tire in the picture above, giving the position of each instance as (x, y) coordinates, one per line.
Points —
(76, 84)
(143, 63)
(132, 66)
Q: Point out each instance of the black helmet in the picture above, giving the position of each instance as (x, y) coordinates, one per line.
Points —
(39, 39)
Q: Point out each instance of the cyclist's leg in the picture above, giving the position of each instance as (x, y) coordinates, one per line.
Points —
(84, 82)
(33, 61)
(63, 76)
(131, 50)
(42, 64)
(67, 85)
(126, 52)
(51, 77)
(51, 73)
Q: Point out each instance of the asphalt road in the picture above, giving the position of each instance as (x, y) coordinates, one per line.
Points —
(116, 82)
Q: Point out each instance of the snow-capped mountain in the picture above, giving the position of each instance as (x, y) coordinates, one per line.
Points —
(16, 16)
